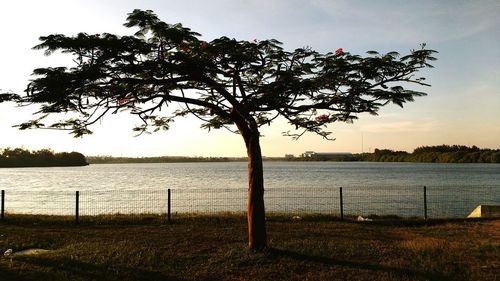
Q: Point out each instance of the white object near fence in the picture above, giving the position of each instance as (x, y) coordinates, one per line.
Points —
(360, 218)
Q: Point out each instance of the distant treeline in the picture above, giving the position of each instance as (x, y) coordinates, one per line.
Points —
(436, 154)
(18, 157)
(159, 159)
(428, 154)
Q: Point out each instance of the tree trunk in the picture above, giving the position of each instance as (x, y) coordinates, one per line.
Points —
(257, 237)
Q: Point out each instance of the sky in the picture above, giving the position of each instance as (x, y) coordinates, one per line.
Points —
(462, 106)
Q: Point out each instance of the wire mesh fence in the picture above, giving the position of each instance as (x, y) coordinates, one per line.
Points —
(409, 201)
(39, 202)
(451, 202)
(127, 202)
(406, 202)
(208, 200)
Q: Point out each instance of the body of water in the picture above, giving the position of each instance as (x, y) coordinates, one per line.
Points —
(380, 188)
(234, 175)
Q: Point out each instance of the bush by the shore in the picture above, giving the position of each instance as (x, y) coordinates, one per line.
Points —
(18, 157)
(437, 154)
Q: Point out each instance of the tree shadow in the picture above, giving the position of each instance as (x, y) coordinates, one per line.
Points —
(89, 271)
(433, 276)
(8, 275)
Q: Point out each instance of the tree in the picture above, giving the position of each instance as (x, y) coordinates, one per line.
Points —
(224, 82)
(20, 157)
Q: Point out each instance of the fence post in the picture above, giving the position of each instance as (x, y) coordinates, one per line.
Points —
(341, 205)
(3, 204)
(425, 202)
(77, 213)
(169, 206)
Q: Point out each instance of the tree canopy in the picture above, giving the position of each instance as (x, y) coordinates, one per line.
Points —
(235, 84)
(218, 81)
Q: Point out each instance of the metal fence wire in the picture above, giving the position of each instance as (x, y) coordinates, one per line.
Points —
(409, 201)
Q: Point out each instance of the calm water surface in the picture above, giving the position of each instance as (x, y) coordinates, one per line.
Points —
(234, 175)
(453, 190)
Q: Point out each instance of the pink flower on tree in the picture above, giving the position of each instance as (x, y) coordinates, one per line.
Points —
(184, 49)
(203, 45)
(323, 118)
(339, 52)
(122, 101)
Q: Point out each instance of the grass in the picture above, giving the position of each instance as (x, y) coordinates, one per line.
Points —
(197, 247)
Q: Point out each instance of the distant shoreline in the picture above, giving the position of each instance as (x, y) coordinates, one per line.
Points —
(43, 166)
(424, 154)
(186, 159)
(20, 158)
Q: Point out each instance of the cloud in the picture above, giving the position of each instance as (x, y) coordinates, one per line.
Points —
(400, 127)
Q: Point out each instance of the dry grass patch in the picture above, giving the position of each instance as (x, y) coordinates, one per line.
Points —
(424, 244)
(213, 248)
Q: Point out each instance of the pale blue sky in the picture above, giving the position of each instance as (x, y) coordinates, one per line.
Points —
(461, 108)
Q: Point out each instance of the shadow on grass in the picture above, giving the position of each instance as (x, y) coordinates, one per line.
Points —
(67, 269)
(7, 275)
(357, 265)
(224, 217)
(116, 219)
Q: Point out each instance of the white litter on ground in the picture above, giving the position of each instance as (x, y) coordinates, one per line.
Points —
(8, 253)
(28, 252)
(360, 218)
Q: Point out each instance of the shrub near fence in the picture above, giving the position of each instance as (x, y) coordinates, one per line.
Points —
(433, 202)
